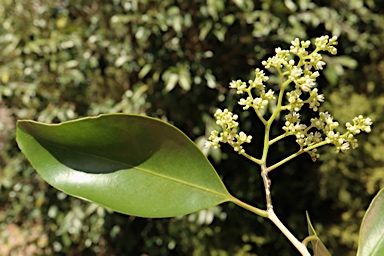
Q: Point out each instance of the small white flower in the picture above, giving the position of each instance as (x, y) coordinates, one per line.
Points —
(344, 147)
(218, 112)
(368, 121)
(307, 86)
(257, 101)
(295, 72)
(264, 103)
(315, 74)
(270, 93)
(320, 98)
(296, 42)
(242, 102)
(320, 64)
(335, 124)
(242, 136)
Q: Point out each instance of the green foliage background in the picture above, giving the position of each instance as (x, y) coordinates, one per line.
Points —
(60, 60)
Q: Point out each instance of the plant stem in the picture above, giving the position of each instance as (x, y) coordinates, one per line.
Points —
(266, 142)
(250, 208)
(267, 186)
(316, 145)
(282, 136)
(297, 154)
(253, 159)
(260, 116)
(272, 216)
(299, 246)
(273, 117)
(286, 160)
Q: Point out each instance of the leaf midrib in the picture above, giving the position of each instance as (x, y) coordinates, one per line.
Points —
(227, 196)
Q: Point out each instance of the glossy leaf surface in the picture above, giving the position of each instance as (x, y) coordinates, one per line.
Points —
(318, 247)
(371, 241)
(131, 164)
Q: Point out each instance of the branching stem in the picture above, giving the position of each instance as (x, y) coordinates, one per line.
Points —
(297, 154)
(267, 186)
(253, 159)
(250, 208)
(299, 246)
(280, 137)
(303, 79)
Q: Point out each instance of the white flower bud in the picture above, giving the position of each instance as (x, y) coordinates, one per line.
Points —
(315, 74)
(296, 42)
(320, 64)
(242, 102)
(227, 118)
(269, 93)
(242, 136)
(352, 129)
(368, 121)
(344, 147)
(295, 72)
(264, 103)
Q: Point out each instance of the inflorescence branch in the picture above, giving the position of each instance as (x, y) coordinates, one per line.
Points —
(297, 87)
(301, 80)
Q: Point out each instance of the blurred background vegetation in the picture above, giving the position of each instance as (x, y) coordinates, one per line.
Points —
(61, 60)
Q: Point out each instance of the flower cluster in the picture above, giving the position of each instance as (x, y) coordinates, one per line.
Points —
(230, 135)
(326, 131)
(295, 68)
(359, 124)
(258, 83)
(325, 43)
(300, 73)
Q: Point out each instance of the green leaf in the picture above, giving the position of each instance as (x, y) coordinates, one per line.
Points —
(290, 5)
(121, 60)
(170, 79)
(318, 247)
(220, 32)
(371, 240)
(185, 78)
(131, 164)
(346, 61)
(204, 30)
(144, 70)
